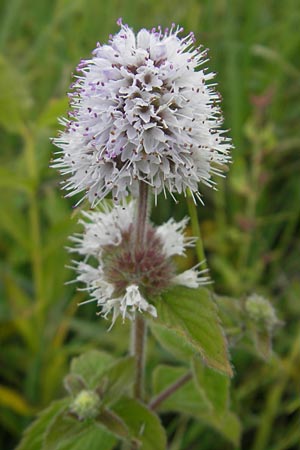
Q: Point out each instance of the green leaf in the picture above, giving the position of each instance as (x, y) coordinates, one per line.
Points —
(262, 339)
(98, 370)
(239, 325)
(34, 435)
(93, 438)
(74, 383)
(229, 425)
(190, 400)
(68, 433)
(119, 378)
(186, 399)
(231, 313)
(214, 386)
(192, 314)
(113, 423)
(172, 342)
(143, 424)
(91, 366)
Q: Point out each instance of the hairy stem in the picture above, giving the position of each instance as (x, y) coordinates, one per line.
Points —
(139, 330)
(142, 216)
(162, 396)
(138, 350)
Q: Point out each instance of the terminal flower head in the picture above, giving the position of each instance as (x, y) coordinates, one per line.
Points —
(125, 280)
(143, 108)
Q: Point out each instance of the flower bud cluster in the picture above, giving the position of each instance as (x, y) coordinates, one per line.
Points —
(261, 311)
(86, 405)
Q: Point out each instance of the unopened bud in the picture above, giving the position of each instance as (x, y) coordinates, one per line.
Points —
(86, 405)
(261, 311)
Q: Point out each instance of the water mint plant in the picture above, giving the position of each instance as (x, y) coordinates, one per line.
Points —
(144, 119)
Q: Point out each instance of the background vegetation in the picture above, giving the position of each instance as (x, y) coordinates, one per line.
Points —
(250, 226)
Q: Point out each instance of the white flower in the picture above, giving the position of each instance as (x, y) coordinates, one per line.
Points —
(103, 228)
(173, 239)
(192, 278)
(133, 300)
(121, 279)
(142, 108)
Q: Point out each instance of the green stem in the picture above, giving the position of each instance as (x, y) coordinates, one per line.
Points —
(139, 349)
(142, 216)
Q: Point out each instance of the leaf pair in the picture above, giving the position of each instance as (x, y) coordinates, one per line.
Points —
(120, 417)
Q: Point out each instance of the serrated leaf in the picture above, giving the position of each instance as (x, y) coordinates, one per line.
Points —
(185, 399)
(192, 314)
(91, 439)
(68, 433)
(189, 400)
(119, 378)
(172, 342)
(91, 366)
(143, 424)
(34, 434)
(213, 385)
(229, 426)
(113, 423)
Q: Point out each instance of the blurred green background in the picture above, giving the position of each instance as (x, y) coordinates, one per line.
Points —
(250, 226)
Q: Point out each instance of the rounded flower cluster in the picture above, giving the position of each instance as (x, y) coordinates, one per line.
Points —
(261, 311)
(142, 109)
(122, 278)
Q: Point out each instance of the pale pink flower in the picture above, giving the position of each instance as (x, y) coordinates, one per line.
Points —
(143, 108)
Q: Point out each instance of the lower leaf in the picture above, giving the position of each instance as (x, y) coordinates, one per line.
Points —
(34, 435)
(68, 433)
(143, 424)
(191, 401)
